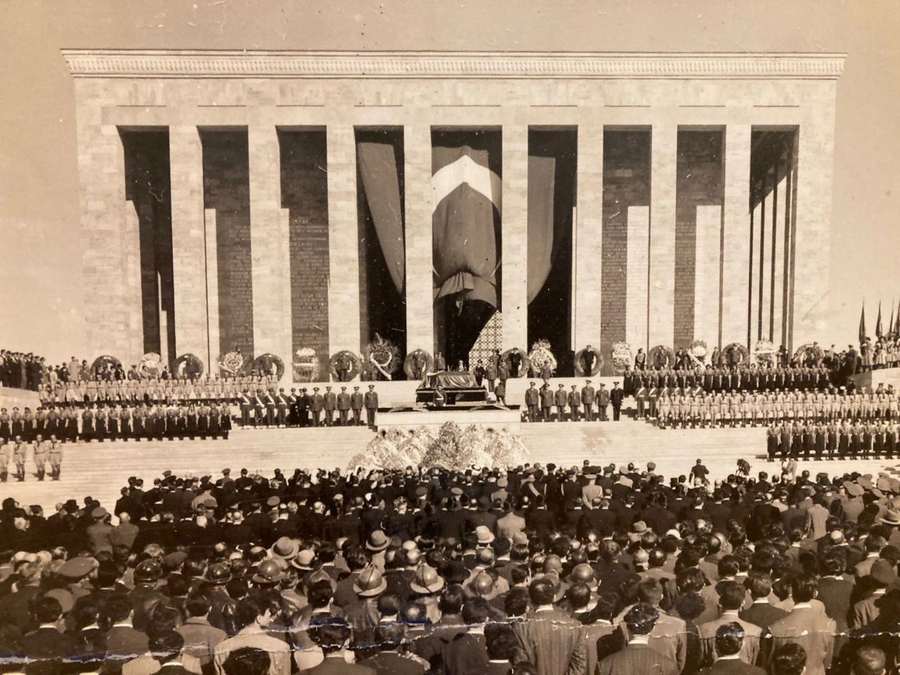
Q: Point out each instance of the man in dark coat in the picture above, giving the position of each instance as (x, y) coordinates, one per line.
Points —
(616, 397)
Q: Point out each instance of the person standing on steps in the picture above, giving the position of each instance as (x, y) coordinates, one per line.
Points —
(603, 402)
(356, 405)
(371, 401)
(532, 402)
(574, 403)
(616, 397)
(40, 456)
(588, 396)
(561, 400)
(54, 455)
(546, 403)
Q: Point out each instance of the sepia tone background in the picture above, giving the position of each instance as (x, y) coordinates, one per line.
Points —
(40, 248)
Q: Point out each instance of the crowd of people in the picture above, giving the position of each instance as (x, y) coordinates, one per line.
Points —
(538, 569)
(874, 439)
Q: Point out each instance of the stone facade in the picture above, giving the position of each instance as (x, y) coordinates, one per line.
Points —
(627, 284)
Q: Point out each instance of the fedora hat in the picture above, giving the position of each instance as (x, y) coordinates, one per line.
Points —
(377, 541)
(285, 548)
(892, 517)
(456, 572)
(304, 559)
(427, 580)
(484, 535)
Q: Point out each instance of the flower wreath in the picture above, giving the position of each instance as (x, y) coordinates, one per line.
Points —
(697, 351)
(384, 356)
(188, 365)
(622, 357)
(506, 365)
(729, 351)
(355, 364)
(656, 354)
(598, 362)
(232, 363)
(306, 367)
(409, 364)
(764, 351)
(151, 365)
(541, 355)
(806, 350)
(103, 365)
(268, 365)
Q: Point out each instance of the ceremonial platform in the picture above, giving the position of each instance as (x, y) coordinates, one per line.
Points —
(884, 376)
(101, 469)
(18, 398)
(489, 416)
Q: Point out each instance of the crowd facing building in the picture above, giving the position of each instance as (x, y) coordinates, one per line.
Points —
(536, 569)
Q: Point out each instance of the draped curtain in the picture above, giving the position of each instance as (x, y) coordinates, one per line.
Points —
(543, 238)
(381, 185)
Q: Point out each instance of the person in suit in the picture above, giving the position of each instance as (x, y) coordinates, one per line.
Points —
(166, 648)
(638, 656)
(390, 659)
(729, 641)
(805, 625)
(616, 397)
(332, 636)
(789, 659)
(731, 597)
(47, 642)
(546, 403)
(371, 403)
(247, 661)
(761, 612)
(550, 639)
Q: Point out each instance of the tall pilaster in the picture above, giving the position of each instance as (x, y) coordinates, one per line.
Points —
(588, 239)
(707, 260)
(418, 238)
(343, 247)
(514, 302)
(661, 308)
(269, 247)
(636, 269)
(736, 234)
(188, 241)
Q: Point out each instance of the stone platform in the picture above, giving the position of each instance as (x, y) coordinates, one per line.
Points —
(18, 398)
(410, 418)
(871, 379)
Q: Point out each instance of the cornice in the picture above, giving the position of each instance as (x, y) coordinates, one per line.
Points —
(193, 64)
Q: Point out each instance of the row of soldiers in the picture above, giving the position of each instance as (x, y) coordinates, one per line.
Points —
(268, 408)
(154, 390)
(844, 439)
(587, 403)
(698, 408)
(754, 377)
(44, 453)
(113, 422)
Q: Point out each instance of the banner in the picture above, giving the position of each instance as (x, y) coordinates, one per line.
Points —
(381, 185)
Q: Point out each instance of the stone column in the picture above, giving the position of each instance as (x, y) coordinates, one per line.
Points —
(269, 247)
(343, 246)
(706, 274)
(419, 208)
(514, 216)
(188, 241)
(778, 202)
(212, 291)
(736, 235)
(812, 236)
(661, 309)
(636, 294)
(765, 272)
(588, 239)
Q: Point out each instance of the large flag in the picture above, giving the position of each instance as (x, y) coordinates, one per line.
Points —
(878, 322)
(891, 322)
(862, 324)
(897, 324)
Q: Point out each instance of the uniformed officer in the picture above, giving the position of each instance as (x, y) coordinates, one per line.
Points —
(303, 403)
(560, 400)
(5, 451)
(246, 404)
(546, 403)
(357, 401)
(330, 405)
(281, 405)
(316, 405)
(271, 405)
(371, 401)
(54, 455)
(574, 403)
(640, 396)
(588, 397)
(532, 402)
(343, 406)
(19, 452)
(603, 402)
(40, 456)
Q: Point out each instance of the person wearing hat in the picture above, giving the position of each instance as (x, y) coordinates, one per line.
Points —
(616, 397)
(547, 399)
(329, 406)
(363, 614)
(532, 402)
(603, 402)
(316, 406)
(356, 406)
(371, 403)
(343, 406)
(588, 397)
(99, 533)
(560, 400)
(574, 401)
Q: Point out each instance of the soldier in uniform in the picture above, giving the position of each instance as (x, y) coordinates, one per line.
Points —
(5, 425)
(357, 401)
(772, 442)
(330, 405)
(641, 395)
(532, 402)
(269, 398)
(316, 405)
(343, 406)
(547, 399)
(100, 422)
(203, 413)
(259, 409)
(20, 448)
(588, 396)
(40, 456)
(603, 399)
(4, 459)
(371, 401)
(54, 456)
(246, 404)
(574, 403)
(224, 419)
(193, 420)
(560, 400)
(112, 428)
(281, 404)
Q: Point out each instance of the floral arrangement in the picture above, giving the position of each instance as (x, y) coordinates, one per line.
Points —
(409, 364)
(451, 447)
(188, 366)
(809, 352)
(384, 356)
(306, 367)
(506, 362)
(231, 363)
(541, 356)
(104, 365)
(150, 366)
(622, 357)
(598, 362)
(765, 351)
(697, 352)
(736, 354)
(268, 365)
(661, 356)
(350, 359)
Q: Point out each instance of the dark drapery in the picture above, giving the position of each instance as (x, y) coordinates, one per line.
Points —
(381, 184)
(542, 238)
